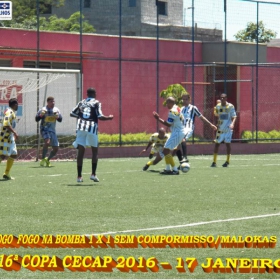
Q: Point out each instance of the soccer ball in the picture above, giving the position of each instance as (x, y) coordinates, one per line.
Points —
(185, 167)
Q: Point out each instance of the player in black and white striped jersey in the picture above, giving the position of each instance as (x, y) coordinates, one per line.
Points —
(88, 112)
(190, 112)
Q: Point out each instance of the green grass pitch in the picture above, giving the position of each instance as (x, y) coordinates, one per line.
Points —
(241, 200)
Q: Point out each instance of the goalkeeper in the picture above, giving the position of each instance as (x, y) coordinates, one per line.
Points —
(48, 116)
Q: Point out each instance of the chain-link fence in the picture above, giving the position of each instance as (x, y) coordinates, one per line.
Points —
(142, 46)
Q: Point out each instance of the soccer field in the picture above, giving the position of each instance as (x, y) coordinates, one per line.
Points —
(241, 200)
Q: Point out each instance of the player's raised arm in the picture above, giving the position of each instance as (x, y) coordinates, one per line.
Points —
(40, 115)
(156, 116)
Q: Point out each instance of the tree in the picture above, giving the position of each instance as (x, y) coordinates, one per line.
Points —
(53, 23)
(25, 10)
(174, 90)
(72, 24)
(250, 34)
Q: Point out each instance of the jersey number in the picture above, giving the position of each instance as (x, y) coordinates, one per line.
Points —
(86, 113)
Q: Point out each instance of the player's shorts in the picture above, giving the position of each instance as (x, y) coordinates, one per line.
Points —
(46, 134)
(8, 149)
(223, 136)
(174, 140)
(156, 149)
(86, 139)
(188, 133)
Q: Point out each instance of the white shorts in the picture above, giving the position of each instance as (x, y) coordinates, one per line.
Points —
(86, 139)
(13, 149)
(188, 133)
(223, 137)
(174, 140)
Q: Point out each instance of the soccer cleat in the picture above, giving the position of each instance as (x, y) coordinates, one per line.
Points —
(213, 164)
(48, 164)
(175, 172)
(94, 178)
(42, 162)
(8, 177)
(225, 164)
(79, 179)
(184, 160)
(146, 167)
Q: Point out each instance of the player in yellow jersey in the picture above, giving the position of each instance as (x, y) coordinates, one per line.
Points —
(8, 137)
(226, 114)
(157, 141)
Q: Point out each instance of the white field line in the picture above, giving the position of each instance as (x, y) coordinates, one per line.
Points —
(188, 225)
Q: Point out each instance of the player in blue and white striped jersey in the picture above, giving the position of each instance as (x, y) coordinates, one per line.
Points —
(88, 112)
(190, 112)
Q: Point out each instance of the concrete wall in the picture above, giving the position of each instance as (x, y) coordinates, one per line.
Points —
(236, 52)
(137, 21)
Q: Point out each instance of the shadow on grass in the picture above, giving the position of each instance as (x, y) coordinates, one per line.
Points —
(79, 185)
(41, 166)
(154, 171)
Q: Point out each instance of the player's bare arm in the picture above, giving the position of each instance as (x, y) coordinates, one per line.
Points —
(156, 116)
(207, 121)
(13, 131)
(148, 146)
(106, 118)
(232, 123)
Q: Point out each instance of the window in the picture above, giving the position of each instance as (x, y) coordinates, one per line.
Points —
(51, 65)
(162, 8)
(87, 3)
(131, 3)
(5, 63)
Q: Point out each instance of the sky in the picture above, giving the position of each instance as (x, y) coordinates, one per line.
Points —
(210, 14)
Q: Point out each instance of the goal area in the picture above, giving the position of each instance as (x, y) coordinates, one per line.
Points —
(32, 87)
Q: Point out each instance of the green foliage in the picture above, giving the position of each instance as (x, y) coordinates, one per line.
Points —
(72, 24)
(248, 135)
(129, 138)
(174, 90)
(250, 34)
(274, 134)
(25, 17)
(53, 23)
(65, 141)
(25, 10)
